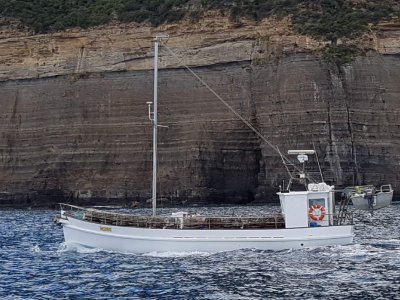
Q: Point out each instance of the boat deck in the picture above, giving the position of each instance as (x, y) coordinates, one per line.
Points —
(274, 221)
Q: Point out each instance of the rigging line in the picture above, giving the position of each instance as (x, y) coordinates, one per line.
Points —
(319, 166)
(232, 109)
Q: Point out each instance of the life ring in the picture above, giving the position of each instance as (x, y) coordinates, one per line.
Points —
(317, 212)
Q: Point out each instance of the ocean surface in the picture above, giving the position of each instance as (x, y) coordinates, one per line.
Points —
(35, 263)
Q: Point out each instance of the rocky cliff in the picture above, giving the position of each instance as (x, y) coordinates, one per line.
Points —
(74, 120)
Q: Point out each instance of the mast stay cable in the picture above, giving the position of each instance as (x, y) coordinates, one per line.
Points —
(247, 123)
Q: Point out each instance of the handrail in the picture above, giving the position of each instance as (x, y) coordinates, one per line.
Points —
(272, 221)
(183, 222)
(386, 188)
(62, 205)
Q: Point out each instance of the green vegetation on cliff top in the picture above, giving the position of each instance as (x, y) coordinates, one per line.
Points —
(323, 19)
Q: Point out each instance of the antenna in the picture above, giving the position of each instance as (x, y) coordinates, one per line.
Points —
(161, 36)
(302, 157)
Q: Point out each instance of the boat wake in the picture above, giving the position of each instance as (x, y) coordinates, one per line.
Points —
(170, 254)
(78, 248)
(36, 249)
(36, 264)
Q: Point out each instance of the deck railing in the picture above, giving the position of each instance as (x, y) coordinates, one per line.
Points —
(173, 222)
(187, 221)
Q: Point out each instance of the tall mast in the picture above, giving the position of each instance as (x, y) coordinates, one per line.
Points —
(153, 117)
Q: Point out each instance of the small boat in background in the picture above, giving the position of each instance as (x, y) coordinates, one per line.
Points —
(368, 197)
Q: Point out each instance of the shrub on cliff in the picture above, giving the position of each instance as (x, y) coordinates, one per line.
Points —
(154, 11)
(323, 19)
(50, 15)
(341, 54)
(332, 20)
(327, 20)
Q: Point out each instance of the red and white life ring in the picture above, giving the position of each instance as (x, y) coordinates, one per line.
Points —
(317, 212)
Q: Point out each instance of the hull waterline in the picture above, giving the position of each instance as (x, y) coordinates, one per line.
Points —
(144, 240)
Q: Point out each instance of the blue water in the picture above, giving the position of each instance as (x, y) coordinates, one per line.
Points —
(36, 264)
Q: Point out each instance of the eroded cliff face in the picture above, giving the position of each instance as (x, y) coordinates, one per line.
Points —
(74, 116)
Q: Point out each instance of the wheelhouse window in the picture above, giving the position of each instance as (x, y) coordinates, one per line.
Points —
(312, 202)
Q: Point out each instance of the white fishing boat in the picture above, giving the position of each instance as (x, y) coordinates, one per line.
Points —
(368, 197)
(307, 218)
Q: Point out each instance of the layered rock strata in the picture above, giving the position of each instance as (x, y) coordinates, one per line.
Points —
(74, 120)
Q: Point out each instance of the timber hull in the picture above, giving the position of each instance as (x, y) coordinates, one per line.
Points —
(145, 240)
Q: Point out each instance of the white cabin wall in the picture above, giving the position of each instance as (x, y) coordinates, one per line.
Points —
(294, 208)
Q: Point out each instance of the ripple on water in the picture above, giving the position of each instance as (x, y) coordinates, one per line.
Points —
(37, 264)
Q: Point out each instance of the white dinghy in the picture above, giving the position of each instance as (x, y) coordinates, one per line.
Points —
(368, 197)
(307, 218)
